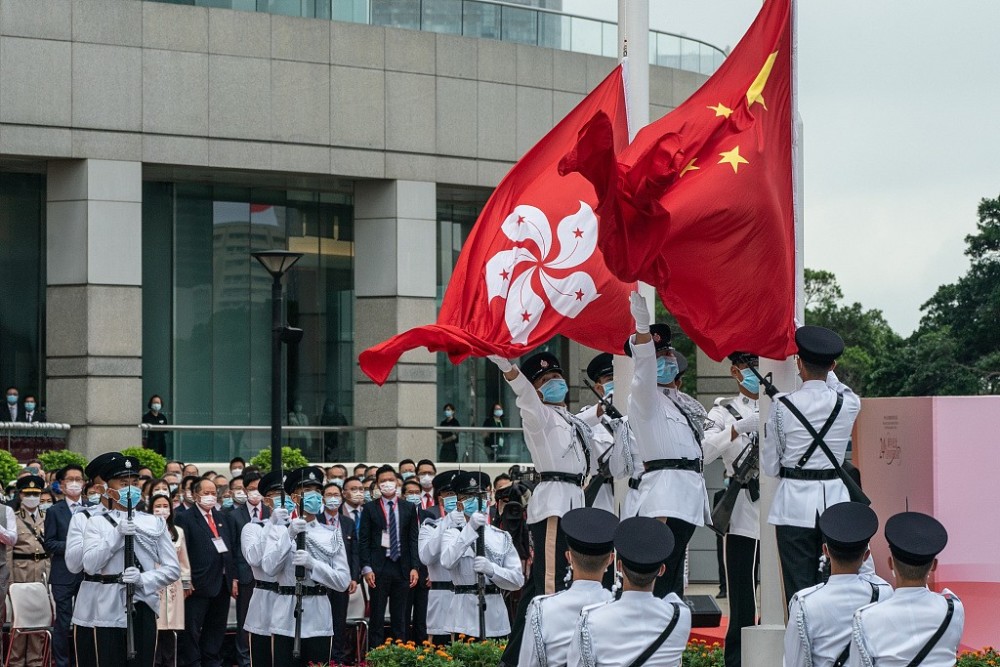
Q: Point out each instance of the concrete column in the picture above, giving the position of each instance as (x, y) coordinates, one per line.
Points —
(714, 379)
(94, 301)
(395, 284)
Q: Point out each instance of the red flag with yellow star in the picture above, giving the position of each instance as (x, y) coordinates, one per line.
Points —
(700, 204)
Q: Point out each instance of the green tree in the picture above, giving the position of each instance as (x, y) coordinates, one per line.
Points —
(291, 459)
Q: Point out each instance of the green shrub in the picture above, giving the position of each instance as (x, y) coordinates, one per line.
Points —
(291, 458)
(465, 652)
(701, 654)
(61, 458)
(9, 467)
(987, 657)
(148, 459)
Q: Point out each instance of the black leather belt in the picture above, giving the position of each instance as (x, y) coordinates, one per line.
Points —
(809, 475)
(306, 590)
(103, 578)
(566, 477)
(694, 465)
(609, 480)
(633, 483)
(266, 585)
(442, 586)
(30, 556)
(474, 589)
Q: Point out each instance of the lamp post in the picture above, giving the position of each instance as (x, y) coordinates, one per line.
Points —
(277, 263)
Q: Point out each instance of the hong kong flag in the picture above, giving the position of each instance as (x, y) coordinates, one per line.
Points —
(700, 204)
(531, 268)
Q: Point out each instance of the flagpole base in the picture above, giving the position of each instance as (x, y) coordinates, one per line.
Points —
(763, 646)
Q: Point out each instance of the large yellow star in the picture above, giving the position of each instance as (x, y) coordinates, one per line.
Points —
(690, 167)
(756, 92)
(733, 158)
(721, 110)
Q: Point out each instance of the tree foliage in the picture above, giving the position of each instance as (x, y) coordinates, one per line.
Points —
(60, 458)
(291, 458)
(148, 459)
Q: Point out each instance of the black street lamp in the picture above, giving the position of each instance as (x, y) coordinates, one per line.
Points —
(277, 263)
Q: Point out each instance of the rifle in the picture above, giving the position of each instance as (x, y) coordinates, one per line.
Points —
(300, 575)
(743, 473)
(603, 468)
(130, 651)
(480, 577)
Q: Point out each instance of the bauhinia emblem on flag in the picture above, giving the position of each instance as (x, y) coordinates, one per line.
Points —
(532, 266)
(700, 205)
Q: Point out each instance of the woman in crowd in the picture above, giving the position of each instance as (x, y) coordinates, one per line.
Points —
(156, 440)
(171, 620)
(449, 439)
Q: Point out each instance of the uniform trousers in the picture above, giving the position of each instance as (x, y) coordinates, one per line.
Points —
(242, 636)
(672, 580)
(111, 642)
(62, 627)
(260, 650)
(205, 620)
(548, 570)
(799, 550)
(338, 606)
(741, 557)
(314, 649)
(85, 645)
(720, 546)
(416, 609)
(392, 588)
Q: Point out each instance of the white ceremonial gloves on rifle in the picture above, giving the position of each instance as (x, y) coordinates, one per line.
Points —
(296, 527)
(640, 312)
(301, 558)
(481, 565)
(457, 518)
(749, 424)
(126, 527)
(131, 575)
(503, 364)
(279, 516)
(477, 521)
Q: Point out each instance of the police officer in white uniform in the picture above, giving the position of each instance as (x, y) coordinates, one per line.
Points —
(253, 540)
(639, 628)
(819, 630)
(500, 563)
(104, 564)
(672, 487)
(434, 521)
(560, 449)
(731, 435)
(601, 372)
(324, 559)
(809, 482)
(552, 619)
(917, 626)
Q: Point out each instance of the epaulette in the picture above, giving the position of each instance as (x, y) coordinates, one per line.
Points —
(807, 591)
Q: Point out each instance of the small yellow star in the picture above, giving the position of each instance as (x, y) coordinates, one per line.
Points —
(690, 167)
(756, 92)
(721, 110)
(733, 158)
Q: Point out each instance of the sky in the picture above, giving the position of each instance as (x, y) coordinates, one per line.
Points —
(901, 108)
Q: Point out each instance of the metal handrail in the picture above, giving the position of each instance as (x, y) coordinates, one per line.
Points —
(33, 426)
(480, 429)
(213, 427)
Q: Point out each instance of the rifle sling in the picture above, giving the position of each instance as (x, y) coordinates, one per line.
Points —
(658, 642)
(932, 642)
(817, 436)
(846, 653)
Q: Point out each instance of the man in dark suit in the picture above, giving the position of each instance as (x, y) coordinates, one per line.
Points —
(11, 410)
(206, 610)
(30, 413)
(252, 510)
(334, 520)
(64, 583)
(387, 548)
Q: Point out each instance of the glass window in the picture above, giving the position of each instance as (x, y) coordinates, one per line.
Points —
(396, 14)
(480, 20)
(519, 25)
(441, 16)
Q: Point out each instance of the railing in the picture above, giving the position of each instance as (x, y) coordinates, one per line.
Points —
(491, 19)
(27, 440)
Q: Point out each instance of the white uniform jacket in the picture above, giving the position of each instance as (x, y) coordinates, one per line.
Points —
(554, 447)
(719, 442)
(626, 464)
(552, 620)
(458, 550)
(797, 501)
(662, 432)
(818, 628)
(253, 539)
(74, 536)
(329, 569)
(890, 634)
(103, 605)
(602, 442)
(429, 549)
(615, 634)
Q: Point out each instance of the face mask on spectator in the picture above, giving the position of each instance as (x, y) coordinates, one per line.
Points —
(162, 512)
(427, 481)
(339, 483)
(240, 497)
(156, 407)
(387, 489)
(253, 497)
(332, 503)
(11, 400)
(368, 496)
(227, 503)
(44, 506)
(408, 475)
(31, 502)
(236, 472)
(73, 488)
(29, 406)
(413, 498)
(207, 502)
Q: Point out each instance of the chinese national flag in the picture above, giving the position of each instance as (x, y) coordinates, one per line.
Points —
(700, 204)
(531, 268)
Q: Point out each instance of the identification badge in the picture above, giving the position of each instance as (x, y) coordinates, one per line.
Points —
(220, 545)
(385, 539)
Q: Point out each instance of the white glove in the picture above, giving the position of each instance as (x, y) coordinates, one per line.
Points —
(131, 575)
(503, 364)
(301, 558)
(279, 516)
(483, 566)
(640, 313)
(126, 527)
(477, 521)
(296, 527)
(457, 518)
(749, 424)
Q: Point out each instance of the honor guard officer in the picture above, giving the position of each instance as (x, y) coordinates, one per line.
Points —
(809, 482)
(818, 632)
(434, 521)
(30, 563)
(263, 600)
(601, 372)
(731, 435)
(917, 626)
(103, 590)
(552, 619)
(501, 566)
(326, 567)
(669, 436)
(560, 450)
(639, 628)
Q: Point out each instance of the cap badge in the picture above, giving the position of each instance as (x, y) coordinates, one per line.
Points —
(657, 338)
(312, 477)
(543, 363)
(473, 482)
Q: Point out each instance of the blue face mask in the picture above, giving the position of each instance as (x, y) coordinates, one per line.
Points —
(289, 503)
(498, 413)
(336, 481)
(125, 494)
(11, 400)
(450, 503)
(554, 391)
(368, 496)
(407, 475)
(750, 381)
(227, 502)
(29, 406)
(312, 502)
(609, 387)
(666, 370)
(413, 498)
(470, 505)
